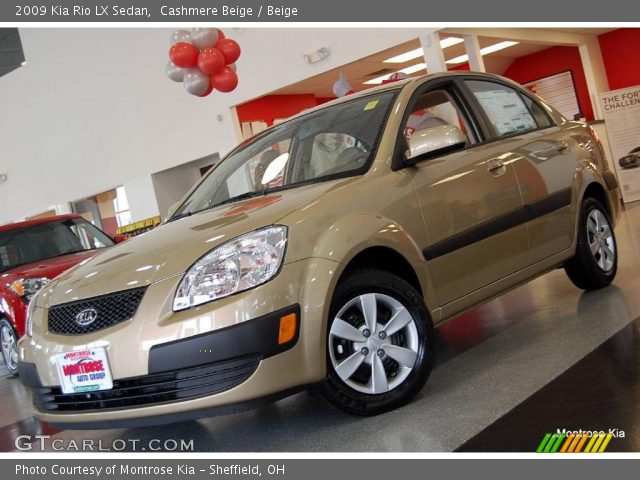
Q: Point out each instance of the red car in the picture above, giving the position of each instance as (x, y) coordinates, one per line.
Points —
(31, 254)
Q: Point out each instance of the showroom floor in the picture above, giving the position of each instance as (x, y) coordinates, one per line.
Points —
(542, 357)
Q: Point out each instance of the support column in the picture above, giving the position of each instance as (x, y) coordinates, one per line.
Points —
(433, 55)
(594, 72)
(472, 46)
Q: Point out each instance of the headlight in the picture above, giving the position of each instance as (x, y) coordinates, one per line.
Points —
(27, 287)
(234, 266)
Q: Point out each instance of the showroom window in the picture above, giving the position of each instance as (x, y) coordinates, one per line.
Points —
(506, 109)
(121, 206)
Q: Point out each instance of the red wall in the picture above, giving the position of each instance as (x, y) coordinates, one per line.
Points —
(269, 107)
(621, 59)
(549, 62)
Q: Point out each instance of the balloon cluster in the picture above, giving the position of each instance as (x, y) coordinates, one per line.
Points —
(203, 60)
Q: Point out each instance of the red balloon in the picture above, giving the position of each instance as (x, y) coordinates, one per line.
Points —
(183, 54)
(209, 90)
(230, 49)
(210, 60)
(225, 81)
(220, 35)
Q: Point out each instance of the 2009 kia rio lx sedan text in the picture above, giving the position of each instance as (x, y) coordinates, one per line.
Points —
(323, 252)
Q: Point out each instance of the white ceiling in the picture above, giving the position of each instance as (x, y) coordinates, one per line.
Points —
(373, 66)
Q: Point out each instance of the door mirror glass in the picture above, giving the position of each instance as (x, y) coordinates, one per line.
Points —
(430, 142)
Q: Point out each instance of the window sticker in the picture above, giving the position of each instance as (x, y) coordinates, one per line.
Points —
(506, 110)
(371, 105)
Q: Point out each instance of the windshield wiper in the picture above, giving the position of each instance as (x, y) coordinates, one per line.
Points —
(237, 198)
(243, 196)
(181, 215)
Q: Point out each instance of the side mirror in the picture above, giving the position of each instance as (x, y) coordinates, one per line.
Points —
(431, 142)
(119, 238)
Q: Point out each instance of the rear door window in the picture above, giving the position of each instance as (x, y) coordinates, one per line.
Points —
(506, 109)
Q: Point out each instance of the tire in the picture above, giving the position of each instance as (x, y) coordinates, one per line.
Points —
(595, 262)
(9, 346)
(358, 387)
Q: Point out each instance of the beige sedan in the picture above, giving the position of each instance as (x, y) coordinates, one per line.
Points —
(322, 252)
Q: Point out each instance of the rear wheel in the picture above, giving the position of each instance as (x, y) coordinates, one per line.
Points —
(9, 342)
(380, 344)
(596, 260)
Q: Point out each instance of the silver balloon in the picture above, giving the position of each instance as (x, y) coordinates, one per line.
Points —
(204, 37)
(174, 72)
(180, 36)
(195, 82)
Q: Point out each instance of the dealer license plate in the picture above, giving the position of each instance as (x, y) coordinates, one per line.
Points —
(84, 371)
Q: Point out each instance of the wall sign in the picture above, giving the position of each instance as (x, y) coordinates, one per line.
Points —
(621, 111)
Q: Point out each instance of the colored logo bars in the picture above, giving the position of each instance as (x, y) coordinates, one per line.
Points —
(574, 443)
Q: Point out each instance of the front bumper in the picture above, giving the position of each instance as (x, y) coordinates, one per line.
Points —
(222, 355)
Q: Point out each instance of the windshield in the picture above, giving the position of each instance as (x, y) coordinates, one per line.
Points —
(47, 240)
(334, 142)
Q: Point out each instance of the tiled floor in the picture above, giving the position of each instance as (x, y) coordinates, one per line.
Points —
(491, 360)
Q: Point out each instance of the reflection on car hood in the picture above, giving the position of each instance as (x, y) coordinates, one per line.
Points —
(172, 248)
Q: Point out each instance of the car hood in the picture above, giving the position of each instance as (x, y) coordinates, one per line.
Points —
(49, 268)
(170, 249)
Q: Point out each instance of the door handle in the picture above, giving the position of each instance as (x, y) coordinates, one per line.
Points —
(562, 146)
(495, 166)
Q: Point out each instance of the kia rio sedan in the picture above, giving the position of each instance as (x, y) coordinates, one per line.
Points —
(322, 253)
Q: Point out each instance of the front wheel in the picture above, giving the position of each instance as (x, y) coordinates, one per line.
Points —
(380, 344)
(9, 341)
(596, 260)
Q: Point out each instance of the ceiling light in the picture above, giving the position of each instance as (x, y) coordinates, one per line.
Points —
(483, 51)
(405, 57)
(496, 47)
(377, 80)
(414, 68)
(459, 59)
(450, 42)
(408, 70)
(418, 52)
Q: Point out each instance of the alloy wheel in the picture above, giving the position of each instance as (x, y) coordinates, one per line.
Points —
(9, 347)
(601, 241)
(373, 343)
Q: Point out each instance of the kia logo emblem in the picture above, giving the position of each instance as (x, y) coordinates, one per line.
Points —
(86, 317)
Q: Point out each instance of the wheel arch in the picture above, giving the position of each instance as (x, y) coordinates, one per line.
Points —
(597, 191)
(383, 258)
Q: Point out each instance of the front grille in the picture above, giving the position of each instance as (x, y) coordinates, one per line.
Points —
(154, 388)
(110, 309)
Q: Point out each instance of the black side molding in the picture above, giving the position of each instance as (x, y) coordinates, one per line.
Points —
(258, 336)
(514, 218)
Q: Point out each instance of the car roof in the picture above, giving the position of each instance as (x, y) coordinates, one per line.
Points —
(37, 221)
(398, 85)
